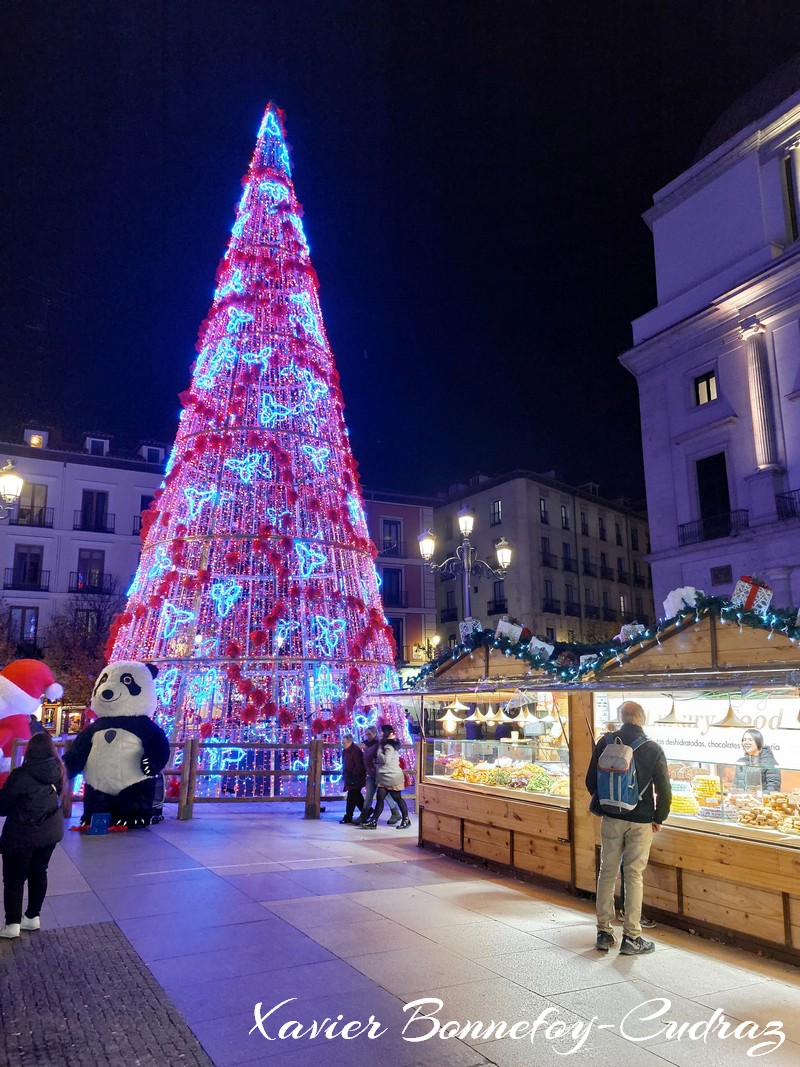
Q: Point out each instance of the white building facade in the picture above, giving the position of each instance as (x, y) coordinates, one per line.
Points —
(74, 535)
(718, 360)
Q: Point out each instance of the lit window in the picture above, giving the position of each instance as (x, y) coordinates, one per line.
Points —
(496, 513)
(564, 517)
(36, 441)
(550, 633)
(543, 516)
(705, 388)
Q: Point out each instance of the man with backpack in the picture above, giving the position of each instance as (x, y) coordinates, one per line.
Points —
(629, 783)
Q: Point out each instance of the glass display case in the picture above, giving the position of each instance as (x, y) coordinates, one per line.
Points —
(741, 778)
(536, 768)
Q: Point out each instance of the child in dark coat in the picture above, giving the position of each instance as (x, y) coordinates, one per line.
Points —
(355, 777)
(31, 802)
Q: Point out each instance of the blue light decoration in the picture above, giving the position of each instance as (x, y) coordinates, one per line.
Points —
(310, 556)
(198, 498)
(211, 361)
(364, 720)
(270, 128)
(202, 688)
(315, 388)
(276, 517)
(174, 618)
(238, 226)
(326, 690)
(260, 358)
(225, 595)
(254, 464)
(205, 646)
(356, 512)
(329, 633)
(237, 319)
(277, 193)
(299, 232)
(306, 317)
(160, 563)
(166, 683)
(272, 412)
(318, 456)
(235, 284)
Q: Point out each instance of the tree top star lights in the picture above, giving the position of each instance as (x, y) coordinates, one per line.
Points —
(257, 593)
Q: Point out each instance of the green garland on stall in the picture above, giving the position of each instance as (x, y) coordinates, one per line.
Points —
(564, 663)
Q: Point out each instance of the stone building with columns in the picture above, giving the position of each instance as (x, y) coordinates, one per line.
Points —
(717, 361)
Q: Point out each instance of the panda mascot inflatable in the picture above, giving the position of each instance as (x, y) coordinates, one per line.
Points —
(122, 752)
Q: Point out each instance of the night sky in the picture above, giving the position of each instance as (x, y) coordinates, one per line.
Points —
(473, 176)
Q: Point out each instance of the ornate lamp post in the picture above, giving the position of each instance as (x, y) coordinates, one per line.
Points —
(465, 561)
(10, 488)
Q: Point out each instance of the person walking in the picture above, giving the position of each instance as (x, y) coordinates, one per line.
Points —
(370, 750)
(355, 777)
(626, 835)
(31, 802)
(389, 778)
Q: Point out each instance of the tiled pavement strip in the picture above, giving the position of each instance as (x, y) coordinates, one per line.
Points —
(253, 904)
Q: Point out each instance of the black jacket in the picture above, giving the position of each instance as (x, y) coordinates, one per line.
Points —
(355, 776)
(770, 775)
(651, 772)
(31, 803)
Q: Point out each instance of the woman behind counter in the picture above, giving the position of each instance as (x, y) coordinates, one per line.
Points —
(757, 757)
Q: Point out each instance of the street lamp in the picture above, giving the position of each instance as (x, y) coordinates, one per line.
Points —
(465, 561)
(10, 488)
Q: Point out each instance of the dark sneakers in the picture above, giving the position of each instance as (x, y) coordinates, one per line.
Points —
(604, 941)
(633, 946)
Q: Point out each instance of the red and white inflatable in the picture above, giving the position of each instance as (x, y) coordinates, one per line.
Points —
(23, 685)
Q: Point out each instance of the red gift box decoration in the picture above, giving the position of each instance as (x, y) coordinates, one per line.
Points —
(751, 594)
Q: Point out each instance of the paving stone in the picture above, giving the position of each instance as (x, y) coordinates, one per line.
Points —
(81, 995)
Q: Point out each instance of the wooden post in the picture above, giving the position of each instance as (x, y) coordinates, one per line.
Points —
(585, 826)
(183, 785)
(193, 755)
(314, 781)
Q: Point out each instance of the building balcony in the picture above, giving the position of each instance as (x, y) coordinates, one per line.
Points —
(544, 517)
(91, 582)
(589, 569)
(601, 534)
(25, 516)
(591, 611)
(732, 522)
(549, 560)
(394, 598)
(640, 580)
(448, 615)
(29, 583)
(609, 615)
(623, 577)
(569, 564)
(607, 573)
(93, 523)
(584, 529)
(392, 549)
(497, 607)
(573, 608)
(788, 504)
(551, 607)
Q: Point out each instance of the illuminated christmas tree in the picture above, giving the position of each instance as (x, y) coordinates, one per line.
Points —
(257, 593)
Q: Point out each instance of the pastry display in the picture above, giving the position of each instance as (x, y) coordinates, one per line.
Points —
(684, 804)
(706, 785)
(504, 772)
(791, 824)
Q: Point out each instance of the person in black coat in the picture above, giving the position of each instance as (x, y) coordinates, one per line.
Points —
(355, 777)
(31, 802)
(757, 766)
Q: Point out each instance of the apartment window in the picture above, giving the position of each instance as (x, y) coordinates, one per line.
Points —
(545, 546)
(588, 594)
(791, 197)
(548, 589)
(618, 533)
(564, 517)
(398, 632)
(450, 600)
(566, 550)
(584, 524)
(33, 502)
(391, 537)
(604, 559)
(496, 513)
(705, 388)
(601, 528)
(96, 446)
(27, 566)
(550, 633)
(145, 502)
(94, 510)
(635, 538)
(392, 587)
(499, 592)
(606, 599)
(87, 622)
(23, 625)
(543, 516)
(587, 559)
(639, 607)
(713, 495)
(569, 593)
(621, 564)
(91, 567)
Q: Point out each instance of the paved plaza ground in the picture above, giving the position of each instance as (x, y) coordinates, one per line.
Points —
(156, 946)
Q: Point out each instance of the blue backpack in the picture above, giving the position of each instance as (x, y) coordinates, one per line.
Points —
(617, 786)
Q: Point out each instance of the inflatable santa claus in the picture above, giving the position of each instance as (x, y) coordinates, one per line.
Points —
(24, 684)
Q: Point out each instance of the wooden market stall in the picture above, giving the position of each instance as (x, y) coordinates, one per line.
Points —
(727, 863)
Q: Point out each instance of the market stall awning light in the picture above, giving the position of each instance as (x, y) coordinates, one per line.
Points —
(673, 719)
(457, 706)
(732, 720)
(449, 721)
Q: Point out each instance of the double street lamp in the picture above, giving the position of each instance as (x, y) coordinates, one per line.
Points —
(465, 561)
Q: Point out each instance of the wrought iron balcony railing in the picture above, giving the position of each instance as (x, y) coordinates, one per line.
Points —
(591, 611)
(572, 608)
(90, 582)
(93, 523)
(26, 516)
(589, 569)
(15, 578)
(394, 598)
(552, 607)
(788, 504)
(716, 526)
(448, 614)
(549, 560)
(607, 573)
(392, 549)
(497, 607)
(569, 564)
